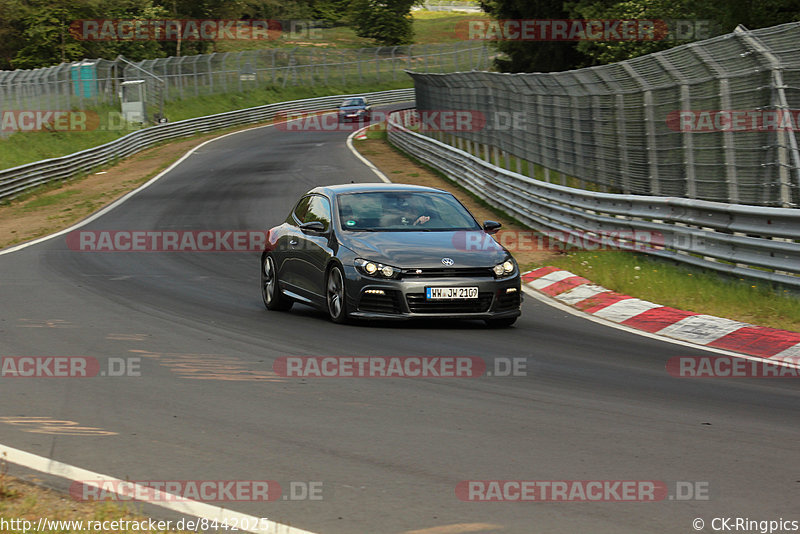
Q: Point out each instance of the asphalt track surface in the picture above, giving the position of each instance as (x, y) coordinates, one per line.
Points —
(596, 404)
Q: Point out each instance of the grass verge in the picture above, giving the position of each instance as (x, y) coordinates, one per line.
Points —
(21, 500)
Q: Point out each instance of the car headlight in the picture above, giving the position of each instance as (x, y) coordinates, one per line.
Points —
(375, 269)
(501, 270)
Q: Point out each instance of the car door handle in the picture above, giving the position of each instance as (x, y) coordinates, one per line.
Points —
(293, 242)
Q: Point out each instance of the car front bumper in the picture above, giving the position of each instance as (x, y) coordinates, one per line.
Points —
(371, 298)
(353, 117)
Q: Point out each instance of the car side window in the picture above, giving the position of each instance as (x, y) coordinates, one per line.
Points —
(319, 209)
(299, 213)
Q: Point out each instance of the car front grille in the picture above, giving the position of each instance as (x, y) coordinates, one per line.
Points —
(417, 303)
(374, 303)
(448, 273)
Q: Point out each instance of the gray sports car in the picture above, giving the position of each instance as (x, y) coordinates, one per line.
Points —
(389, 251)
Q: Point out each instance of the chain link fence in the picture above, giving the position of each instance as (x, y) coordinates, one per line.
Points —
(91, 83)
(87, 83)
(634, 127)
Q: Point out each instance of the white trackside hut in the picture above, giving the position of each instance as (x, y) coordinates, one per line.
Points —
(134, 94)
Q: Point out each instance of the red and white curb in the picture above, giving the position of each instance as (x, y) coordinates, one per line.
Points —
(706, 330)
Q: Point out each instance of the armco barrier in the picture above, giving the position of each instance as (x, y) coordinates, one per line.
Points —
(749, 241)
(18, 179)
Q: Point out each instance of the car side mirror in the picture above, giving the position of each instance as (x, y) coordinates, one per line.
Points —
(491, 227)
(316, 227)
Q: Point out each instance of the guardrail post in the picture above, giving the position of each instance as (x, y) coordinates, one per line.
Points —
(623, 145)
(727, 135)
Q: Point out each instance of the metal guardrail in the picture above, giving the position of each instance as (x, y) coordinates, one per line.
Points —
(746, 241)
(18, 179)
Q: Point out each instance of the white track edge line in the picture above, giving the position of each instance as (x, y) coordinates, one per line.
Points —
(550, 301)
(364, 160)
(185, 506)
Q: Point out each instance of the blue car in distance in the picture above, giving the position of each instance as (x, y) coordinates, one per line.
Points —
(355, 109)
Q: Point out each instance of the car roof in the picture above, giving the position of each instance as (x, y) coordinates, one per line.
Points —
(333, 190)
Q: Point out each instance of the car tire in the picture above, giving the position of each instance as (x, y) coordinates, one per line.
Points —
(501, 323)
(335, 295)
(273, 299)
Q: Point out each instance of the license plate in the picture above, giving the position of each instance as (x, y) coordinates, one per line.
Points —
(447, 293)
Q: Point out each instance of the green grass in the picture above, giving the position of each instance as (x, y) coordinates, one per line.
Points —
(26, 147)
(430, 27)
(442, 26)
(49, 200)
(686, 287)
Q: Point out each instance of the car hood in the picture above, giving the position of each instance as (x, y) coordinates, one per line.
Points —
(426, 249)
(352, 108)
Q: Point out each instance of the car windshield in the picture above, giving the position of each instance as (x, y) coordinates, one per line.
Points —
(353, 102)
(393, 211)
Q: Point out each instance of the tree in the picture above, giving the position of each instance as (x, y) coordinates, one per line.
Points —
(12, 29)
(46, 33)
(532, 56)
(333, 11)
(388, 22)
(723, 17)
